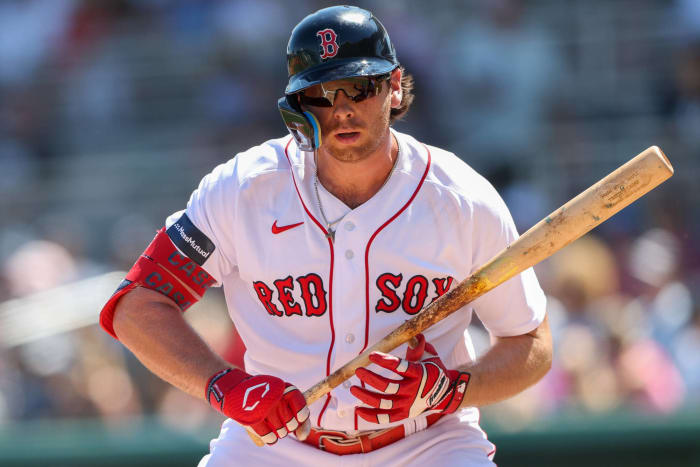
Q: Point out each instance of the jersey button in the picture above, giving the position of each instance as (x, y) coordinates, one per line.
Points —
(349, 226)
(349, 254)
(341, 413)
(350, 338)
(347, 384)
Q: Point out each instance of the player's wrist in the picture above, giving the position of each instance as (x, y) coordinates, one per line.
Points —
(222, 383)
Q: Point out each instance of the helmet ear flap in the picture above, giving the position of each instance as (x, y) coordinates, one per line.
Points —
(302, 125)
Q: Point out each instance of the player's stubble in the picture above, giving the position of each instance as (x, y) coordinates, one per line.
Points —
(375, 127)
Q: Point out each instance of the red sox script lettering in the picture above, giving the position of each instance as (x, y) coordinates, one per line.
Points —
(414, 294)
(279, 301)
(313, 295)
(328, 43)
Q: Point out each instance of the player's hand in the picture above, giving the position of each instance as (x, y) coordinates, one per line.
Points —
(424, 385)
(272, 408)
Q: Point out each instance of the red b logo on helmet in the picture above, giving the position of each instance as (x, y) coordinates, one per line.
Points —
(328, 43)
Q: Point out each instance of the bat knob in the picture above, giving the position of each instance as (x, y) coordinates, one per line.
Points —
(254, 436)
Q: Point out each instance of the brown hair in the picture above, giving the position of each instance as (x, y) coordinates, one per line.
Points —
(406, 100)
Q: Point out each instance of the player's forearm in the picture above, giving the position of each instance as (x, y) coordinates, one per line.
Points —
(511, 365)
(156, 332)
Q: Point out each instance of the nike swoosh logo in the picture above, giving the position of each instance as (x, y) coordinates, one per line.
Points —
(278, 230)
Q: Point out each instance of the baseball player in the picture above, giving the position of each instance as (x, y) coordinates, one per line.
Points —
(326, 240)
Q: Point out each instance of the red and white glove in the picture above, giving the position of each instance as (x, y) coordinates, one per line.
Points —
(425, 385)
(271, 407)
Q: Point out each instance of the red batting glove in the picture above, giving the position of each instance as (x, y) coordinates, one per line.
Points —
(425, 385)
(269, 406)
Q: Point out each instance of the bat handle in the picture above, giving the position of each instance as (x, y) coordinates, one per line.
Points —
(254, 436)
(303, 431)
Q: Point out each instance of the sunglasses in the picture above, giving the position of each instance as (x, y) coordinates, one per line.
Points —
(356, 89)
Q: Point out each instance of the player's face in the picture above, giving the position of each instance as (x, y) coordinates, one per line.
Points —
(352, 131)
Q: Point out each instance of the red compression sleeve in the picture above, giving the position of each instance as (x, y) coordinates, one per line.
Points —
(164, 269)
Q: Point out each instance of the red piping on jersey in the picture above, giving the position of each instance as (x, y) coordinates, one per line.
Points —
(369, 244)
(330, 278)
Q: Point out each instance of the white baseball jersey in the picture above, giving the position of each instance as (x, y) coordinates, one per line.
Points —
(305, 305)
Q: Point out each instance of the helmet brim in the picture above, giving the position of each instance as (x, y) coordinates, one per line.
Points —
(339, 69)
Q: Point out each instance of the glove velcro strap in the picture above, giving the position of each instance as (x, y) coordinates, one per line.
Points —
(456, 392)
(220, 384)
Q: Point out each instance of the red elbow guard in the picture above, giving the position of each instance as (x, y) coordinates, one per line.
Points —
(164, 269)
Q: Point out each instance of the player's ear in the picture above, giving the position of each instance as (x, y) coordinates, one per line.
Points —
(395, 88)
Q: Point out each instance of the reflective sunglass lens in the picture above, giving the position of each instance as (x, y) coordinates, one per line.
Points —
(356, 89)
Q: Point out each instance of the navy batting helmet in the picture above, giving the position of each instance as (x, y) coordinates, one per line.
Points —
(333, 43)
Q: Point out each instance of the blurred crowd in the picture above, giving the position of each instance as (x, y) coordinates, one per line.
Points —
(111, 111)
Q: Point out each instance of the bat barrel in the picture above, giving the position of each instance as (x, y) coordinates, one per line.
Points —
(586, 211)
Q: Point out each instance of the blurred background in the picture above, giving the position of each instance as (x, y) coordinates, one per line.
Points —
(111, 112)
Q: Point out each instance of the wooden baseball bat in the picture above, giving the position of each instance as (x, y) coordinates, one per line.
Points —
(586, 211)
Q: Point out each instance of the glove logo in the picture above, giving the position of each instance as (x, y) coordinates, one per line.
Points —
(328, 43)
(436, 396)
(248, 392)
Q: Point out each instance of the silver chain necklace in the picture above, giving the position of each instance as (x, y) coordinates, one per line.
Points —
(330, 226)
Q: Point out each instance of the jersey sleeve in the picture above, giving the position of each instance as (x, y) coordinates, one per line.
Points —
(203, 231)
(518, 305)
